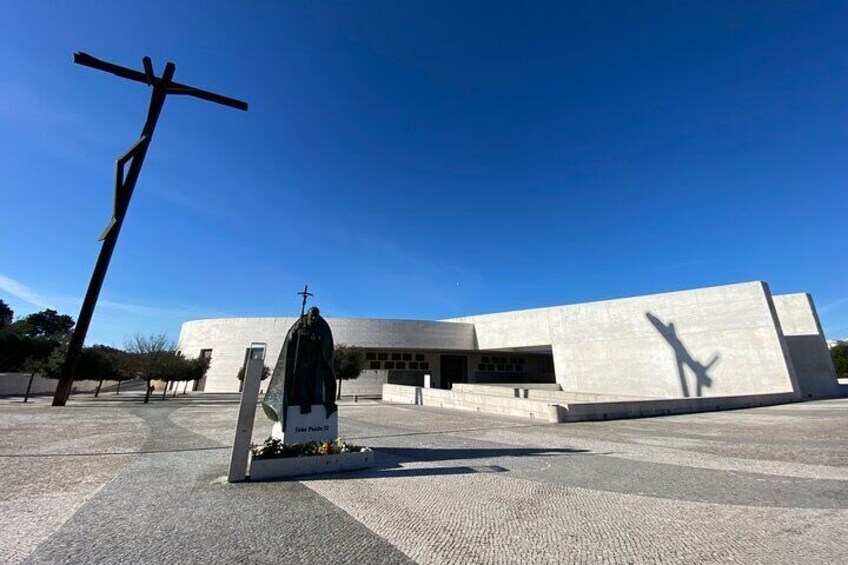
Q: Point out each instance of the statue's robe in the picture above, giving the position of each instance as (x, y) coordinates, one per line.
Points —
(303, 375)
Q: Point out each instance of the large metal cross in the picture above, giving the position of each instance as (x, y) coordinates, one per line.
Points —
(124, 186)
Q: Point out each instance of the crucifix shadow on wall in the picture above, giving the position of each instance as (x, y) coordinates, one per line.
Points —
(684, 359)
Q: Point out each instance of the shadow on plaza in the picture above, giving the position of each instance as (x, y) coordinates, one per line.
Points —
(388, 461)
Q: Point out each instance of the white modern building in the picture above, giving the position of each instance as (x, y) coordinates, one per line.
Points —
(727, 341)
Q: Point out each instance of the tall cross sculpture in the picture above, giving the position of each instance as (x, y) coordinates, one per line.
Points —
(124, 186)
(305, 294)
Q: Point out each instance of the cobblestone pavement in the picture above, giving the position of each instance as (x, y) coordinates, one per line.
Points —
(110, 480)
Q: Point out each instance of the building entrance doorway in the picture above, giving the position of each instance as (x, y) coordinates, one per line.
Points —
(453, 369)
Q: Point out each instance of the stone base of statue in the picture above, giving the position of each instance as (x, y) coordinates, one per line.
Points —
(271, 469)
(303, 428)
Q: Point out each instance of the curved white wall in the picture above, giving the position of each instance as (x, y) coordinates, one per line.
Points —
(719, 341)
(229, 337)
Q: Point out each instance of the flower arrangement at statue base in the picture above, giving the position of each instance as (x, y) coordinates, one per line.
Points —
(276, 460)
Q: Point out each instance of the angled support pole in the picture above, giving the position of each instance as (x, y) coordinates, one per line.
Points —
(124, 187)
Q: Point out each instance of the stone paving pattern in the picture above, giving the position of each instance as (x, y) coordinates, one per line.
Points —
(113, 481)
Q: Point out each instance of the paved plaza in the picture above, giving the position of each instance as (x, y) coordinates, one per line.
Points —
(111, 480)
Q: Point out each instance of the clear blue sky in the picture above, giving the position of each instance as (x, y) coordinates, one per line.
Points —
(425, 160)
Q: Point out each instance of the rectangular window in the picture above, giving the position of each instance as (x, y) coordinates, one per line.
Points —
(375, 365)
(407, 356)
(413, 365)
(206, 353)
(370, 356)
(481, 366)
(419, 356)
(424, 365)
(395, 356)
(389, 365)
(382, 356)
(400, 365)
(484, 359)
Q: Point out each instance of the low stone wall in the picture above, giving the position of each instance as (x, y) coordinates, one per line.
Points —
(508, 385)
(15, 384)
(487, 403)
(589, 411)
(369, 383)
(495, 402)
(544, 393)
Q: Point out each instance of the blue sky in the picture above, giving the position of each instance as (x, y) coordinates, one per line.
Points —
(425, 160)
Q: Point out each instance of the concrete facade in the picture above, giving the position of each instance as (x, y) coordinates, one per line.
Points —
(811, 360)
(229, 338)
(719, 341)
(727, 341)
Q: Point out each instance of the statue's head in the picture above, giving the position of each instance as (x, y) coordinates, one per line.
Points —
(312, 315)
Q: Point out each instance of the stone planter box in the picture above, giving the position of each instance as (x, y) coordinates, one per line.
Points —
(270, 469)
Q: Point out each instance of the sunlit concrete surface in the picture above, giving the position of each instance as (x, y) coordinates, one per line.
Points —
(734, 340)
(114, 481)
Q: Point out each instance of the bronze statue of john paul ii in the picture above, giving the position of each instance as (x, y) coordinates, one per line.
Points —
(304, 372)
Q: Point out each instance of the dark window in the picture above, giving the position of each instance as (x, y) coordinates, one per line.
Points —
(484, 359)
(424, 365)
(510, 367)
(419, 356)
(395, 356)
(481, 367)
(413, 365)
(206, 353)
(400, 365)
(520, 360)
(370, 356)
(375, 365)
(500, 367)
(389, 365)
(407, 356)
(490, 367)
(382, 356)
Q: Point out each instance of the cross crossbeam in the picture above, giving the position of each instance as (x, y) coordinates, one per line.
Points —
(147, 77)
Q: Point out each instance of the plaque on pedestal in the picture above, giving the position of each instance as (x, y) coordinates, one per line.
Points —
(303, 428)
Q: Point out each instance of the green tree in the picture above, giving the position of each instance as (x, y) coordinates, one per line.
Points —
(100, 363)
(188, 370)
(6, 315)
(347, 365)
(25, 347)
(266, 372)
(32, 365)
(15, 349)
(33, 344)
(839, 354)
(47, 324)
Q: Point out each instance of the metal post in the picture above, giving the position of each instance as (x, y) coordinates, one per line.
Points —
(247, 413)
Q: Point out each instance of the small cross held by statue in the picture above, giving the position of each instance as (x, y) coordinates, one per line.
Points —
(305, 294)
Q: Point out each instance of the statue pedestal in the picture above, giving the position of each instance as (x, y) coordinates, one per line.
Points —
(303, 428)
